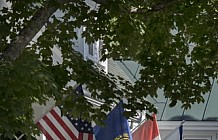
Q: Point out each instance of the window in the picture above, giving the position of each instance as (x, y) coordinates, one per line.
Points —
(100, 49)
(91, 49)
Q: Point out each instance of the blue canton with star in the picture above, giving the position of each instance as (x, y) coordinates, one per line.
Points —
(82, 125)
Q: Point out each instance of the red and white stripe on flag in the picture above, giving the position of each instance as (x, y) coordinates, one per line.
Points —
(57, 127)
(147, 131)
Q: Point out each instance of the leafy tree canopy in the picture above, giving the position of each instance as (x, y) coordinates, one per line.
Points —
(175, 41)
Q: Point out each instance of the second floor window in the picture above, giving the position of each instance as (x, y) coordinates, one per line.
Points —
(91, 49)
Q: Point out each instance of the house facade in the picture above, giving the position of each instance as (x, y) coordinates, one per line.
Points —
(201, 121)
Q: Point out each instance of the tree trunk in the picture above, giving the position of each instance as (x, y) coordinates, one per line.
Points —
(39, 19)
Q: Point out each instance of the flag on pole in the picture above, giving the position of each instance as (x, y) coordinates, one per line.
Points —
(176, 134)
(57, 127)
(147, 131)
(116, 126)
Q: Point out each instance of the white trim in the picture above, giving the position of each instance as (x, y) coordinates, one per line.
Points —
(190, 125)
(199, 130)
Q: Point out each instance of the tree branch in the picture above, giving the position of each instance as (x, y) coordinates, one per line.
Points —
(17, 45)
(40, 18)
(158, 7)
(163, 5)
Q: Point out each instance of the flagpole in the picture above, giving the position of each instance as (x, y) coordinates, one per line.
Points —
(175, 129)
(48, 110)
(139, 124)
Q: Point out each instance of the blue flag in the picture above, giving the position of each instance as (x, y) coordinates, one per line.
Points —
(116, 126)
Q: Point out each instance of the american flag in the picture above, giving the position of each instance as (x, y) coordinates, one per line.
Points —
(57, 127)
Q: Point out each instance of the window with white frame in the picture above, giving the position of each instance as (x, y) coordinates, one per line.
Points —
(100, 48)
(91, 49)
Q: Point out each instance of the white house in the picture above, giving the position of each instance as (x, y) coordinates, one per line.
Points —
(201, 121)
